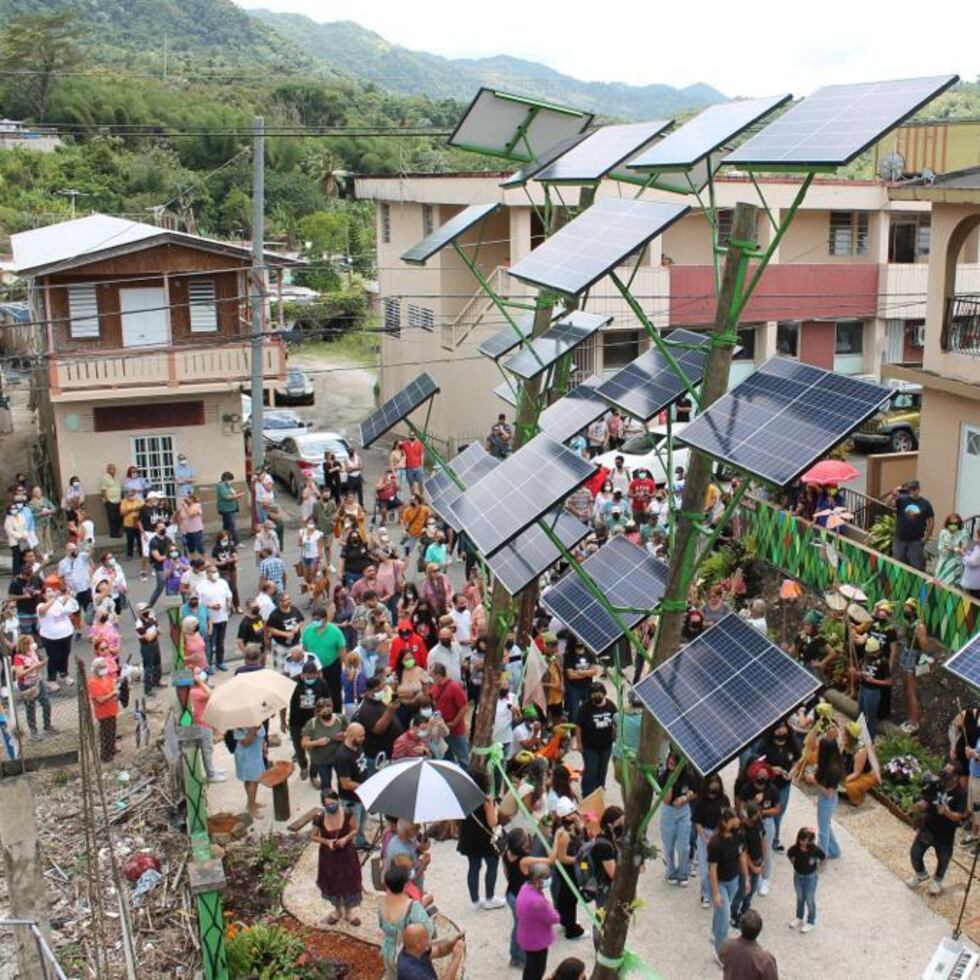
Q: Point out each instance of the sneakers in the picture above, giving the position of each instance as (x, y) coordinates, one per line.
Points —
(763, 886)
(573, 932)
(718, 961)
(303, 772)
(909, 727)
(705, 903)
(493, 903)
(36, 737)
(794, 923)
(51, 730)
(682, 882)
(275, 741)
(672, 881)
(806, 927)
(779, 847)
(935, 887)
(218, 776)
(221, 667)
(916, 879)
(52, 687)
(476, 905)
(66, 680)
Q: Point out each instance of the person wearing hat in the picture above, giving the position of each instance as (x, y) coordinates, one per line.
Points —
(552, 682)
(129, 510)
(811, 646)
(883, 630)
(535, 919)
(915, 644)
(567, 841)
(407, 643)
(148, 633)
(914, 520)
(859, 775)
(310, 690)
(595, 732)
(526, 736)
(875, 676)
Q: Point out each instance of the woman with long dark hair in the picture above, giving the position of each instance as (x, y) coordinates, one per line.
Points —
(830, 771)
(476, 844)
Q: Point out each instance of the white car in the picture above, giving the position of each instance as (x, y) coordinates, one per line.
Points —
(640, 452)
(282, 423)
(293, 458)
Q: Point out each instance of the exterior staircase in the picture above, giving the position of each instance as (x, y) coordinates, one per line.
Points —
(475, 309)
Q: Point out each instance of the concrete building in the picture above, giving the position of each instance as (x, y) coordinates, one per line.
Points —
(143, 334)
(846, 288)
(949, 445)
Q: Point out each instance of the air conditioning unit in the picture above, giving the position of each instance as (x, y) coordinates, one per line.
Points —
(919, 335)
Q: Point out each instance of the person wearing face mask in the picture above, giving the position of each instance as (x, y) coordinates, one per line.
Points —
(727, 870)
(28, 676)
(951, 546)
(321, 737)
(108, 570)
(199, 695)
(945, 808)
(56, 629)
(103, 692)
(448, 654)
(536, 918)
(75, 574)
(190, 520)
(214, 594)
(782, 750)
(379, 720)
(195, 655)
(675, 820)
(15, 527)
(224, 554)
(311, 550)
(351, 766)
(326, 641)
(175, 566)
(148, 633)
(595, 733)
(708, 806)
(568, 840)
(408, 643)
(338, 869)
(413, 744)
(310, 690)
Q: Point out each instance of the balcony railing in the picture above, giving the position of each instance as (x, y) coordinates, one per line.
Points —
(961, 327)
(172, 367)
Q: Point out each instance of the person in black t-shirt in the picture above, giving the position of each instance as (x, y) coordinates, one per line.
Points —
(310, 688)
(706, 814)
(350, 766)
(875, 678)
(754, 839)
(781, 750)
(807, 860)
(675, 820)
(604, 852)
(26, 590)
(580, 672)
(595, 734)
(759, 788)
(944, 806)
(284, 626)
(727, 869)
(148, 632)
(251, 629)
(380, 722)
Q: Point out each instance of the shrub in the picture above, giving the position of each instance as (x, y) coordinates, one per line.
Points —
(904, 760)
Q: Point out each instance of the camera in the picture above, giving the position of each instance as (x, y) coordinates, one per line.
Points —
(931, 784)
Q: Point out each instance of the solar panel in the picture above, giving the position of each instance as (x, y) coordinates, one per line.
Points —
(837, 123)
(782, 418)
(515, 494)
(515, 127)
(507, 391)
(504, 341)
(555, 343)
(628, 576)
(720, 692)
(398, 407)
(529, 170)
(578, 409)
(705, 133)
(522, 560)
(471, 465)
(649, 383)
(446, 233)
(965, 663)
(597, 240)
(600, 152)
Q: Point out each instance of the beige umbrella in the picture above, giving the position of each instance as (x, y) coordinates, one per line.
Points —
(246, 700)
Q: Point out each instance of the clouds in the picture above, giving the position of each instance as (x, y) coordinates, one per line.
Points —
(760, 49)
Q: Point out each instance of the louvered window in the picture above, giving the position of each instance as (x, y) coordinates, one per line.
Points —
(203, 311)
(83, 311)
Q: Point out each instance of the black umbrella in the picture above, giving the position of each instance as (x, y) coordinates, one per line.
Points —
(421, 790)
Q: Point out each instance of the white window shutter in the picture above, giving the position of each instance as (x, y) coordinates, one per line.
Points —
(83, 312)
(203, 311)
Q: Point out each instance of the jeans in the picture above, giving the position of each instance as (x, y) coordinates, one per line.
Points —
(784, 792)
(925, 839)
(675, 832)
(868, 699)
(360, 817)
(216, 646)
(325, 774)
(535, 965)
(229, 523)
(57, 652)
(743, 902)
(160, 587)
(517, 954)
(721, 918)
(152, 667)
(133, 546)
(702, 851)
(459, 750)
(573, 698)
(112, 516)
(296, 737)
(194, 542)
(489, 876)
(826, 805)
(595, 762)
(769, 825)
(806, 895)
(30, 709)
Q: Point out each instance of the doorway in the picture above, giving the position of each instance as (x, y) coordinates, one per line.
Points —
(968, 475)
(144, 317)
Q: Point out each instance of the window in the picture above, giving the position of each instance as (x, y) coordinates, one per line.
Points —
(392, 314)
(384, 213)
(203, 310)
(154, 457)
(724, 217)
(619, 347)
(583, 359)
(746, 341)
(909, 236)
(83, 312)
(151, 415)
(849, 233)
(788, 338)
(421, 317)
(850, 337)
(428, 220)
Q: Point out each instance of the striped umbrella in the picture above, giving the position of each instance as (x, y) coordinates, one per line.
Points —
(421, 790)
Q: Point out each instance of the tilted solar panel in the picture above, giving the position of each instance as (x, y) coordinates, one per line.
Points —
(572, 413)
(558, 340)
(446, 233)
(398, 407)
(601, 152)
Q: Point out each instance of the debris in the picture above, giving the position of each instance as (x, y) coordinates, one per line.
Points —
(148, 880)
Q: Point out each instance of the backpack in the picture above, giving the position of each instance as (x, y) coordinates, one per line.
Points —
(586, 874)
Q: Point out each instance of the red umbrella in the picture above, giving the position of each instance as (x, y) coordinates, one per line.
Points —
(830, 471)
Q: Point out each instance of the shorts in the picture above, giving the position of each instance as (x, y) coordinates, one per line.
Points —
(973, 795)
(415, 474)
(908, 659)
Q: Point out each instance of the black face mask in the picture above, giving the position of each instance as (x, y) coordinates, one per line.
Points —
(446, 643)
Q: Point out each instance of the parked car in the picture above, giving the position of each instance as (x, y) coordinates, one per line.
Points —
(297, 456)
(895, 429)
(297, 389)
(641, 452)
(279, 424)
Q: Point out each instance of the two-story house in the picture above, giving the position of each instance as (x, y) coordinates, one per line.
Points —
(144, 341)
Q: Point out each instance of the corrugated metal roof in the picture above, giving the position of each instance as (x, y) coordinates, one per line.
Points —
(16, 312)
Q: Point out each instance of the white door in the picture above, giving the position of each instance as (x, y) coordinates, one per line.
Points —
(968, 477)
(144, 317)
(894, 342)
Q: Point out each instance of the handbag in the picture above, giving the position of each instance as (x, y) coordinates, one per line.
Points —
(498, 838)
(32, 693)
(377, 874)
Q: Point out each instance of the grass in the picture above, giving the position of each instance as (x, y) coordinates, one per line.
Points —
(361, 346)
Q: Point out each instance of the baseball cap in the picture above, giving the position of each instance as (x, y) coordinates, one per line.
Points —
(564, 807)
(549, 639)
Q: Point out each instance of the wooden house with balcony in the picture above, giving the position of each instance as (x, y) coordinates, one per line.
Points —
(143, 337)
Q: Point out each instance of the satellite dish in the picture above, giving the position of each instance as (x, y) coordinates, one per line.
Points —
(927, 175)
(891, 166)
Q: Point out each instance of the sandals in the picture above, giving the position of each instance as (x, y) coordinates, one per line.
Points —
(333, 919)
(355, 922)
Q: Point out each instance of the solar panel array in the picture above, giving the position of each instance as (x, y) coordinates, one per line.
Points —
(518, 491)
(469, 466)
(837, 123)
(506, 391)
(600, 152)
(398, 407)
(522, 560)
(529, 170)
(599, 239)
(448, 232)
(628, 576)
(708, 131)
(578, 409)
(515, 127)
(783, 418)
(504, 341)
(649, 383)
(558, 340)
(965, 663)
(716, 695)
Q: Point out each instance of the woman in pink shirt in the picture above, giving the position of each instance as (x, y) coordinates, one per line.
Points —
(536, 918)
(190, 518)
(104, 635)
(195, 653)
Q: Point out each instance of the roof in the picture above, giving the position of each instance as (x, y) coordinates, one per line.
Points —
(956, 187)
(15, 312)
(82, 241)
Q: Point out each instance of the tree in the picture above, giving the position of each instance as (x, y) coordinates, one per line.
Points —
(37, 49)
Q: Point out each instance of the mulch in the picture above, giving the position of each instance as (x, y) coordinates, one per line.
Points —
(362, 961)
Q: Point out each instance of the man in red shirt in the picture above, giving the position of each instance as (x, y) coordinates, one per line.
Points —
(641, 491)
(414, 463)
(408, 643)
(450, 700)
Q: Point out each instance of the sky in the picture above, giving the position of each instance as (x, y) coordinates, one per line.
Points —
(787, 46)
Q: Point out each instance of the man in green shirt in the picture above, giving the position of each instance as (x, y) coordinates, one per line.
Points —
(321, 738)
(227, 504)
(111, 497)
(326, 641)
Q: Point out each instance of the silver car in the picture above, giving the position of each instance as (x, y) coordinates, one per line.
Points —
(298, 456)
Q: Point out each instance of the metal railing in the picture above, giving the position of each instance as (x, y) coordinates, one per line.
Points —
(961, 326)
(476, 308)
(866, 510)
(50, 967)
(970, 525)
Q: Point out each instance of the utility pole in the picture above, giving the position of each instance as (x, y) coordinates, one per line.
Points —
(258, 297)
(682, 560)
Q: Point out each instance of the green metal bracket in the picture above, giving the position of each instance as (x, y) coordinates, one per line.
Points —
(521, 133)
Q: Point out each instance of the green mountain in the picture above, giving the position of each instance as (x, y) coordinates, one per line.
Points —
(368, 56)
